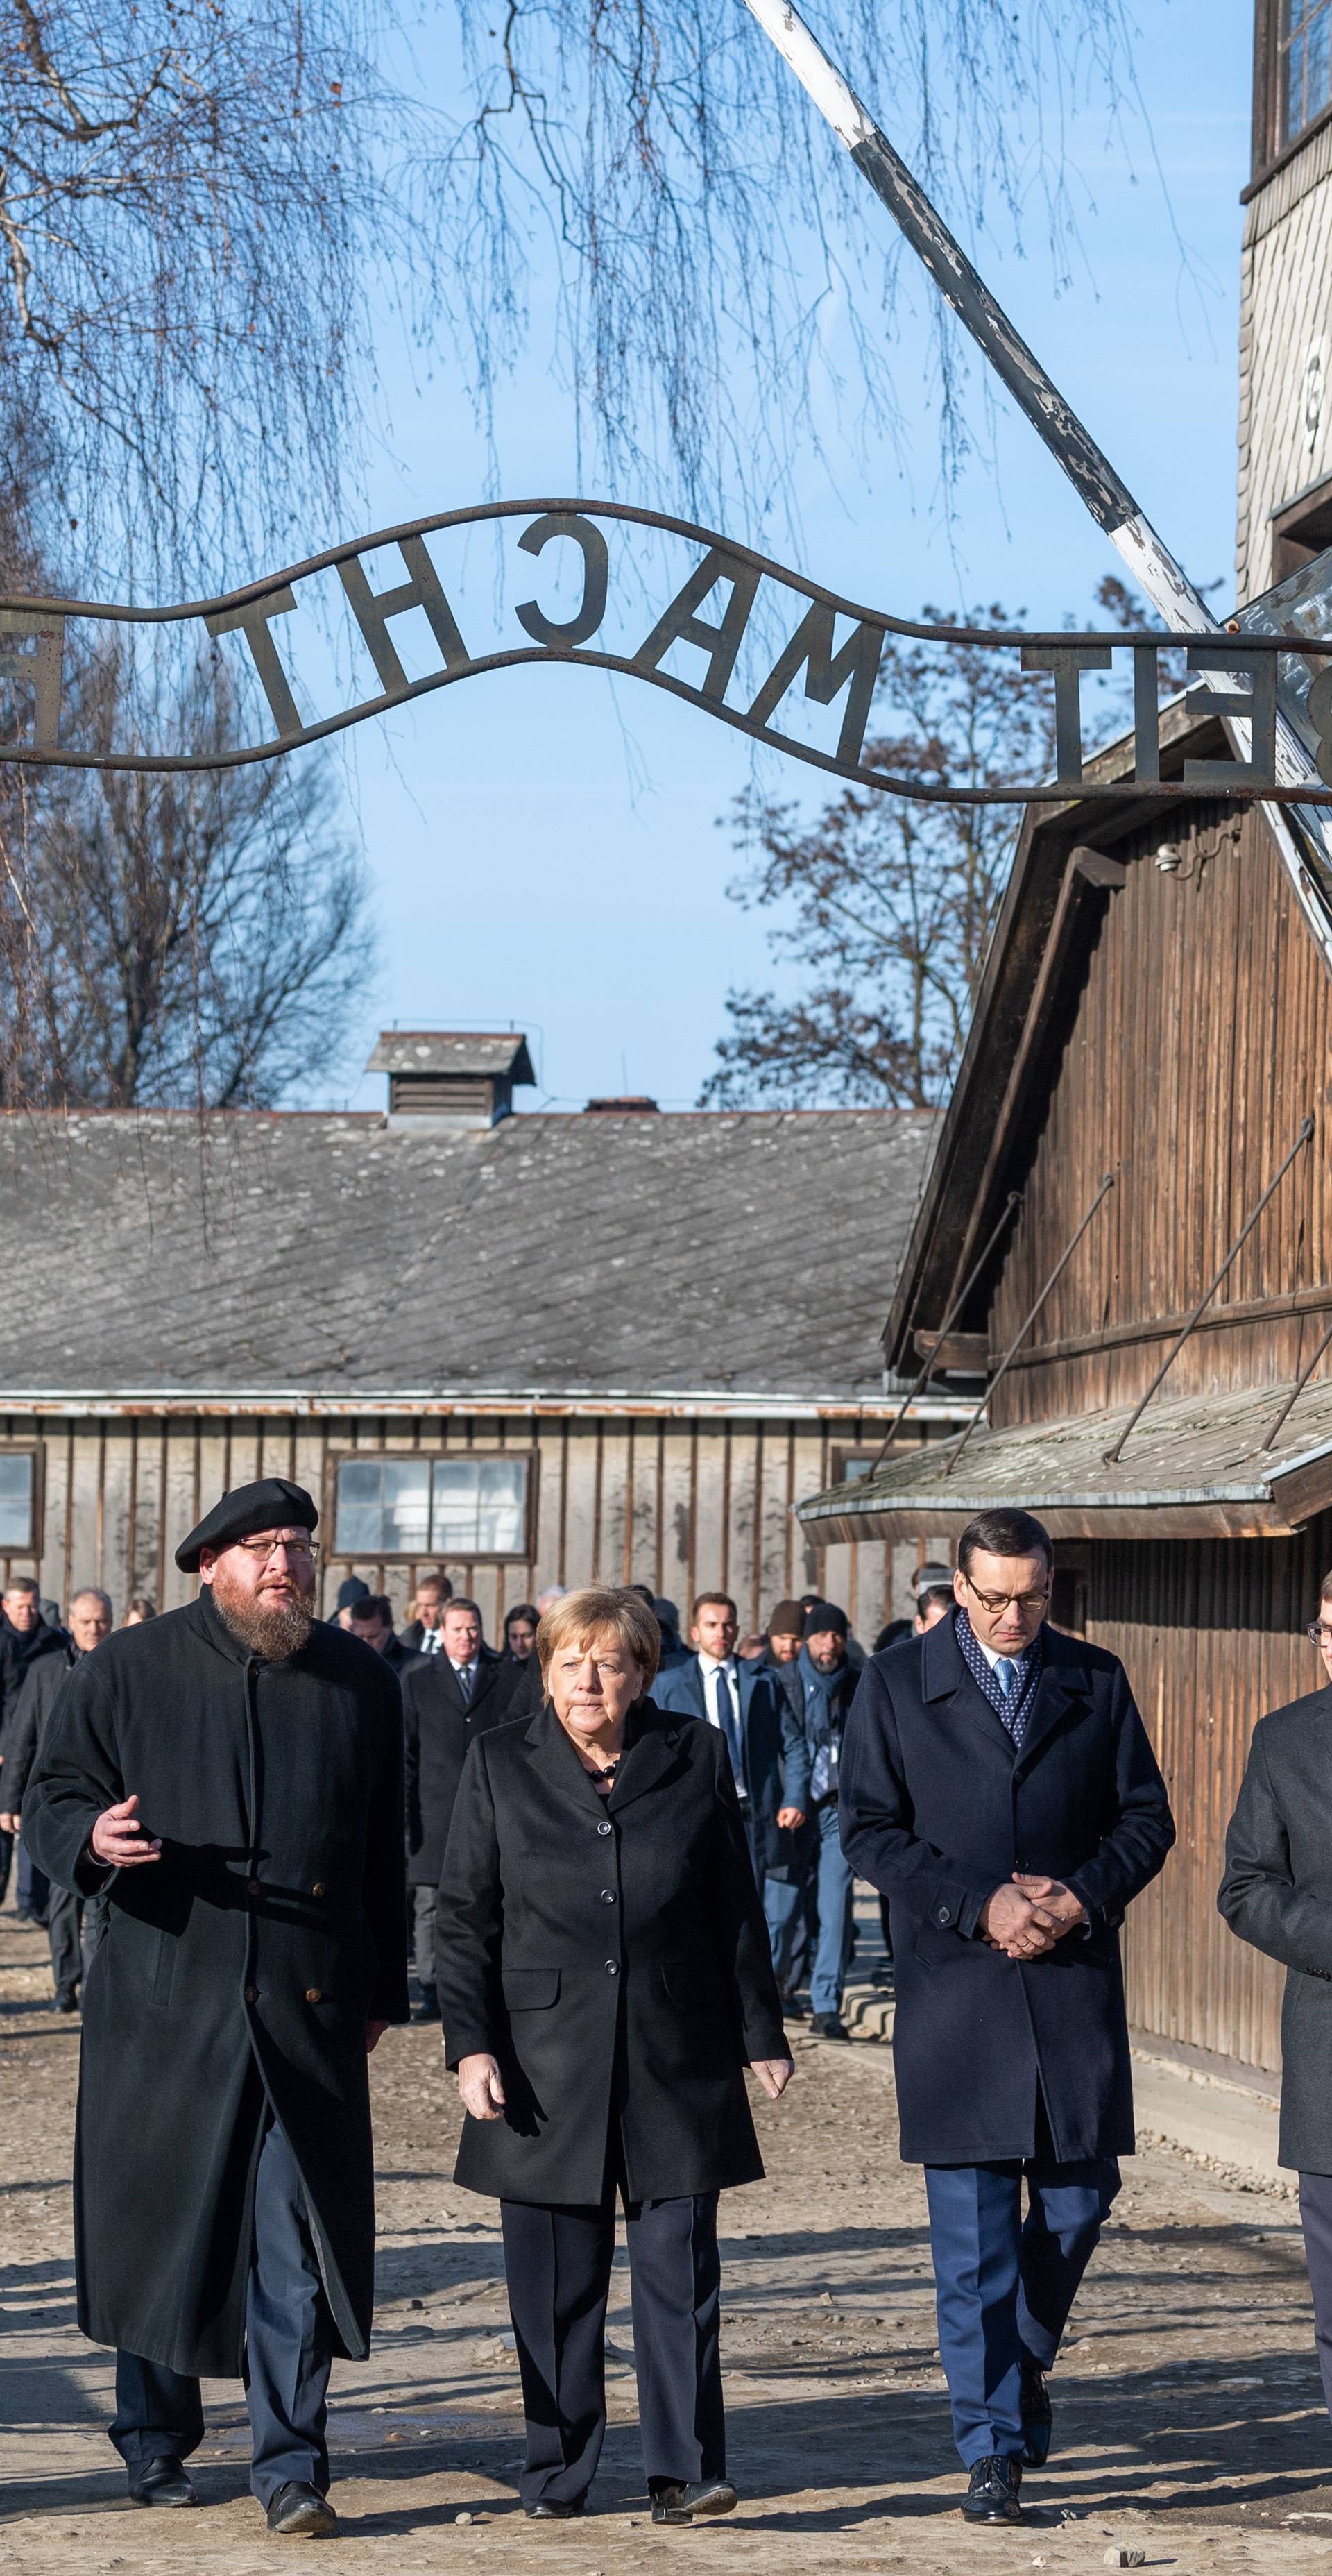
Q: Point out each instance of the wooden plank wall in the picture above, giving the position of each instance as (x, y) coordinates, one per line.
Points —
(683, 1507)
(1211, 1634)
(1198, 1043)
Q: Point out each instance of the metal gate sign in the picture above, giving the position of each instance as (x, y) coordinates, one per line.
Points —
(637, 592)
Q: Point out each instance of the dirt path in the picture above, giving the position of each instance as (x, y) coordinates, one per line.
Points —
(1189, 2416)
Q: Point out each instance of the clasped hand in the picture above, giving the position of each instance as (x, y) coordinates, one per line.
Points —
(1027, 1915)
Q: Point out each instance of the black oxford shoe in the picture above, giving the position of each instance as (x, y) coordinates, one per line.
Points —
(555, 2508)
(162, 2481)
(1037, 2414)
(993, 2493)
(671, 2503)
(829, 2026)
(299, 2512)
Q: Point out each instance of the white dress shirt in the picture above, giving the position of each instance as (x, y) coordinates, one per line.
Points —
(728, 1671)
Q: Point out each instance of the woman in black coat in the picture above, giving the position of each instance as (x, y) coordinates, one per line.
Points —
(604, 1976)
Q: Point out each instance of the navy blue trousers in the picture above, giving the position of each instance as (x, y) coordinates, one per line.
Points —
(1004, 2286)
(288, 2352)
(558, 2266)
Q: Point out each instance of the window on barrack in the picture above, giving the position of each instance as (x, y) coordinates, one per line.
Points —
(1304, 65)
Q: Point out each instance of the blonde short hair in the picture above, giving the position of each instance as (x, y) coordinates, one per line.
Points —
(581, 1616)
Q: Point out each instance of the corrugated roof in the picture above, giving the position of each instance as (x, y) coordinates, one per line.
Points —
(336, 1255)
(1193, 1468)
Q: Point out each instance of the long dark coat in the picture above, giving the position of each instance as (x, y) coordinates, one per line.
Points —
(439, 1733)
(612, 1954)
(43, 1680)
(937, 1811)
(1277, 1893)
(248, 1959)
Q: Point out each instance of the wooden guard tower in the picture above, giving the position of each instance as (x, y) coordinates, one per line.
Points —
(1143, 1118)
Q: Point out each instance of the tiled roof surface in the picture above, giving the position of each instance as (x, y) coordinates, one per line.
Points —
(330, 1253)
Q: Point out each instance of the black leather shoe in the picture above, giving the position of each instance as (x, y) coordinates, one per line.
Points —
(299, 2512)
(555, 2508)
(830, 2026)
(67, 1999)
(162, 2481)
(793, 2009)
(993, 2493)
(1037, 2414)
(672, 2503)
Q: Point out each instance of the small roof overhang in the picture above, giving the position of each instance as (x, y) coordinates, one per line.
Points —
(1195, 1468)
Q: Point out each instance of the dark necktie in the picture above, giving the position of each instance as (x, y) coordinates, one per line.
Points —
(464, 1673)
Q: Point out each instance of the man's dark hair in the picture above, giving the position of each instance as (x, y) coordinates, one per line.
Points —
(376, 1605)
(24, 1583)
(932, 1596)
(1003, 1533)
(458, 1603)
(722, 1600)
(434, 1581)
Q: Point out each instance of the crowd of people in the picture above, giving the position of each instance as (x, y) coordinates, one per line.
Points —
(617, 1856)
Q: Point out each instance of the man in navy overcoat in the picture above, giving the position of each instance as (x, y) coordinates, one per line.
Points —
(998, 1786)
(741, 1700)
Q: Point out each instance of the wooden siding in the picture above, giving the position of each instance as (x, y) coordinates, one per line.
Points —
(1195, 1039)
(679, 1506)
(1211, 1635)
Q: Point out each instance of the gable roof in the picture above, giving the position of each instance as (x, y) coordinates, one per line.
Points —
(324, 1258)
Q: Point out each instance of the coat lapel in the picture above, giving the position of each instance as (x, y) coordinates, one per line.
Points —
(691, 1676)
(1064, 1679)
(554, 1757)
(652, 1752)
(947, 1675)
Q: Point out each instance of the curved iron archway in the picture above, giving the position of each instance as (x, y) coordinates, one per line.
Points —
(33, 647)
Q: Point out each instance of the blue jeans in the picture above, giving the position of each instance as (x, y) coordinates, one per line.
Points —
(1004, 2288)
(288, 2353)
(783, 1902)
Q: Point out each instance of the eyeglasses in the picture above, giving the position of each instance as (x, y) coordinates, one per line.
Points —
(994, 1602)
(299, 1551)
(1317, 1634)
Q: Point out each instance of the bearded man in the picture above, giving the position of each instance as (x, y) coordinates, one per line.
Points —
(231, 1775)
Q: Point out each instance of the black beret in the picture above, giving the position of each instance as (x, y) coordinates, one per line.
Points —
(823, 1616)
(273, 1503)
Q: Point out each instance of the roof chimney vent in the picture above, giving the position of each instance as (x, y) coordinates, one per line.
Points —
(451, 1077)
(628, 1104)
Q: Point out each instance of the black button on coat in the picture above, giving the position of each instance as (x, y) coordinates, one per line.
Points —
(439, 1734)
(201, 1996)
(1277, 1893)
(643, 2011)
(937, 1811)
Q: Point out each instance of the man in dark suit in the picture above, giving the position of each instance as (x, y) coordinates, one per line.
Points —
(372, 1621)
(25, 1635)
(448, 1699)
(740, 1700)
(998, 1786)
(1277, 1893)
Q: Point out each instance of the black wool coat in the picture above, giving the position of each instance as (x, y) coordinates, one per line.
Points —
(439, 1734)
(1277, 1893)
(937, 1811)
(43, 1680)
(246, 1961)
(612, 1954)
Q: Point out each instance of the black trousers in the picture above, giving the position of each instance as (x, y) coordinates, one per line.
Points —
(1316, 2220)
(558, 2264)
(288, 2352)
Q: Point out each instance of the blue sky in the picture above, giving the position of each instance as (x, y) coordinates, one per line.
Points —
(545, 845)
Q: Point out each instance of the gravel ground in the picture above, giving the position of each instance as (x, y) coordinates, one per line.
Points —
(1189, 2417)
